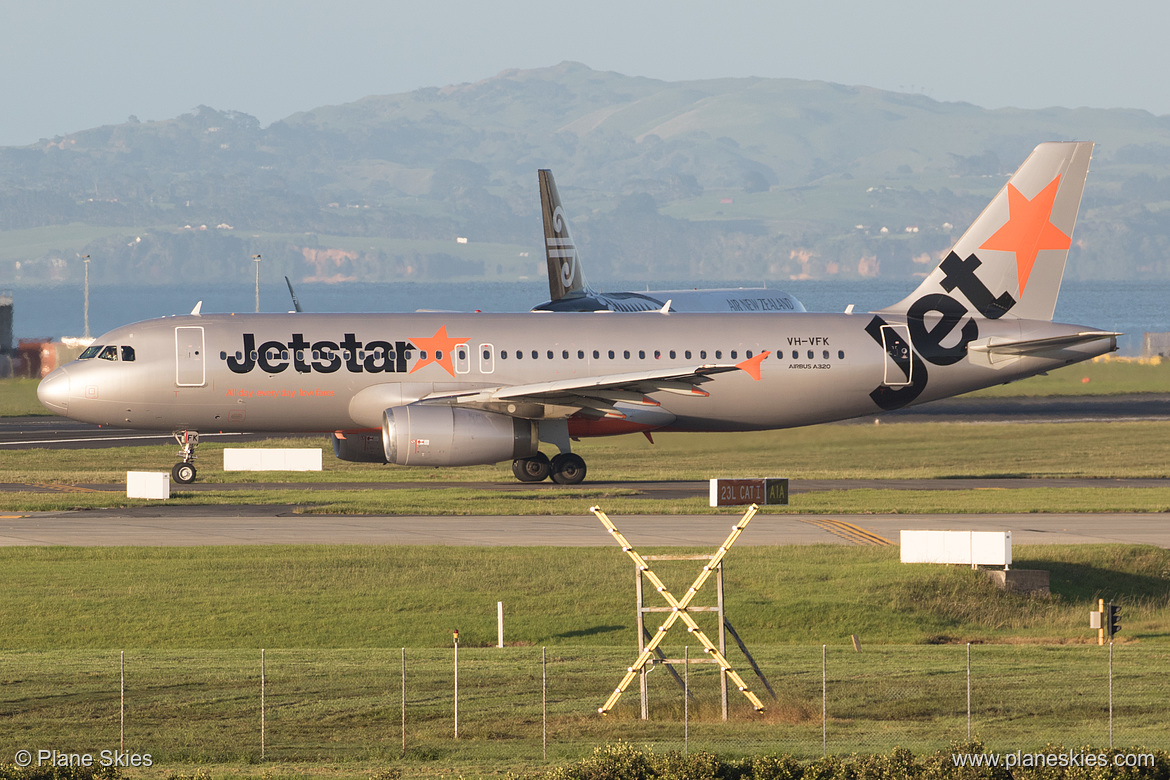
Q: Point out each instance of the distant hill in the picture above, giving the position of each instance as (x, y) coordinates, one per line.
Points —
(764, 179)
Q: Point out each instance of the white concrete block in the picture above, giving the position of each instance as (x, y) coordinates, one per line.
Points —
(148, 484)
(972, 548)
(237, 459)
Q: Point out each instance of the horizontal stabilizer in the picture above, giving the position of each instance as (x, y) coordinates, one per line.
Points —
(1037, 346)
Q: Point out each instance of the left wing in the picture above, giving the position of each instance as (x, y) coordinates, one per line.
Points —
(563, 398)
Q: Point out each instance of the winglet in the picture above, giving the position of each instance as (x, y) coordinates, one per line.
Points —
(296, 303)
(195, 311)
(752, 365)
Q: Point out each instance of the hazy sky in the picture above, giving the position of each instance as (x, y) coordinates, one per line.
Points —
(68, 66)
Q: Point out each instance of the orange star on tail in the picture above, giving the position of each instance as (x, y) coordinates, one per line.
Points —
(437, 349)
(1028, 229)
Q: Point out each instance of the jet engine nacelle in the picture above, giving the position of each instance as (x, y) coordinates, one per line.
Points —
(422, 435)
(359, 447)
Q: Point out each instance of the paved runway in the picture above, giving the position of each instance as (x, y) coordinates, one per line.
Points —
(26, 433)
(240, 525)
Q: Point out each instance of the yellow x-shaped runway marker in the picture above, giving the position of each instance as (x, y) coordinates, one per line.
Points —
(678, 609)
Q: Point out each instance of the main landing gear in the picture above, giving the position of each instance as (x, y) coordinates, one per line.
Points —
(184, 472)
(565, 468)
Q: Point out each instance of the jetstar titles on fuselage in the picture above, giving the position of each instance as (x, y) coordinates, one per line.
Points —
(326, 357)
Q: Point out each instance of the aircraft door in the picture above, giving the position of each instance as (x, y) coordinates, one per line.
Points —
(487, 358)
(190, 370)
(899, 369)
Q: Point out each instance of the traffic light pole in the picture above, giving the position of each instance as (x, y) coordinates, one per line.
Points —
(1111, 694)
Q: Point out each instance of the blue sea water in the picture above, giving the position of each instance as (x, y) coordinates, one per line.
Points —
(1131, 307)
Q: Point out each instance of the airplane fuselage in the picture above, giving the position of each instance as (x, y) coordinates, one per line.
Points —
(339, 372)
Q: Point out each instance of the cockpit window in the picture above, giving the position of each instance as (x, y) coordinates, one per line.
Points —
(89, 352)
(108, 353)
(127, 354)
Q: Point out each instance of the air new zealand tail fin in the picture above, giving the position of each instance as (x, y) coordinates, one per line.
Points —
(565, 276)
(1011, 260)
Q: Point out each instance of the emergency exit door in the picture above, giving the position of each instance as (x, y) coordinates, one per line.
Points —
(899, 369)
(190, 370)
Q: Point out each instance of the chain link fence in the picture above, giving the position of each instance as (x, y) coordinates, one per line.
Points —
(535, 706)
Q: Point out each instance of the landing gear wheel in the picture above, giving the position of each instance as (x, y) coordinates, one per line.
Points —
(568, 469)
(534, 469)
(183, 473)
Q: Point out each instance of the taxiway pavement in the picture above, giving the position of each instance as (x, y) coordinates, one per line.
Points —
(164, 526)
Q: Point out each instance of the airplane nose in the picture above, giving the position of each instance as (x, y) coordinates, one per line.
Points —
(53, 391)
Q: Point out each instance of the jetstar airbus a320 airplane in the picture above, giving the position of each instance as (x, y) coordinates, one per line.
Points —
(439, 389)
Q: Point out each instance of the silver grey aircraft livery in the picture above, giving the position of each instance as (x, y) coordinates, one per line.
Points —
(446, 389)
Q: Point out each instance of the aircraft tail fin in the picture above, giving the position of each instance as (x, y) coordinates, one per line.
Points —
(565, 276)
(1011, 260)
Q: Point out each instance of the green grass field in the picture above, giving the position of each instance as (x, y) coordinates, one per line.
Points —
(332, 622)
(375, 596)
(339, 713)
(1102, 376)
(18, 398)
(892, 452)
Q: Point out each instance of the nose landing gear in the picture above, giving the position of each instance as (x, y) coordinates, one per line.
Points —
(184, 472)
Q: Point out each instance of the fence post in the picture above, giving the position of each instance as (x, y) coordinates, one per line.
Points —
(456, 685)
(263, 683)
(404, 702)
(824, 701)
(122, 705)
(686, 700)
(968, 691)
(1110, 694)
(544, 702)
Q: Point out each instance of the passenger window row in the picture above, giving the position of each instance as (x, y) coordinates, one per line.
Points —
(657, 354)
(110, 353)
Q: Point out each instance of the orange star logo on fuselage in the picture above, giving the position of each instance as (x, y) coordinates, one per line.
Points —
(437, 349)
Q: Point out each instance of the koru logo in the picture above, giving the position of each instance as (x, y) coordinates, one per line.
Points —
(563, 249)
(944, 314)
